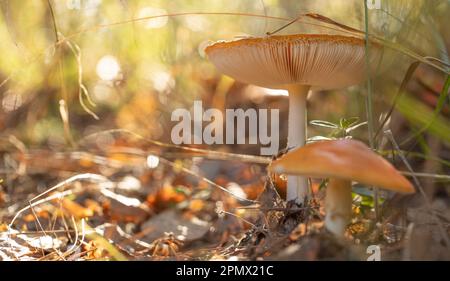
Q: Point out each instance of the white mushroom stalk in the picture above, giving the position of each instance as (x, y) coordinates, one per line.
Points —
(297, 186)
(338, 206)
(297, 63)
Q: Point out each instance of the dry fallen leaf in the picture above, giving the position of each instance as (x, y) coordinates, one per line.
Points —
(172, 221)
(75, 209)
(93, 250)
(165, 197)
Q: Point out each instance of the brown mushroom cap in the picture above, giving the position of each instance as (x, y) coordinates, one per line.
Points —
(342, 159)
(317, 60)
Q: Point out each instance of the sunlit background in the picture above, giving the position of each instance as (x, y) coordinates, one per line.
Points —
(115, 68)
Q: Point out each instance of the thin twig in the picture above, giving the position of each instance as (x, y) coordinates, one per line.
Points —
(369, 101)
(187, 171)
(426, 175)
(89, 177)
(207, 153)
(238, 217)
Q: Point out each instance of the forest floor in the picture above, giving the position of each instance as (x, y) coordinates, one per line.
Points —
(131, 205)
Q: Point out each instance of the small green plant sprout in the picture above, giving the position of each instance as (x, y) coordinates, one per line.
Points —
(363, 197)
(342, 130)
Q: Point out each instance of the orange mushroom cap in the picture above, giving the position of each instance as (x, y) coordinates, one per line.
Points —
(342, 159)
(317, 60)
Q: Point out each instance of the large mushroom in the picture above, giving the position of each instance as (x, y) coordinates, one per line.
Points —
(342, 161)
(296, 63)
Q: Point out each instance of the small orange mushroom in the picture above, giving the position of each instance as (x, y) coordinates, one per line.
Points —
(342, 161)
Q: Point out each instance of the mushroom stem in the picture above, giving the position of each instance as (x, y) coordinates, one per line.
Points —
(338, 206)
(297, 187)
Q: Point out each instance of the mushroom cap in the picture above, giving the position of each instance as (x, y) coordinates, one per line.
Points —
(342, 159)
(317, 60)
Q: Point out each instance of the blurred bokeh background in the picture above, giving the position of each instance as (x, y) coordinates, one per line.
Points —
(72, 68)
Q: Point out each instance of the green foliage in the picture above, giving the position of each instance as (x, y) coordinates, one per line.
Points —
(343, 129)
(363, 197)
(424, 117)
